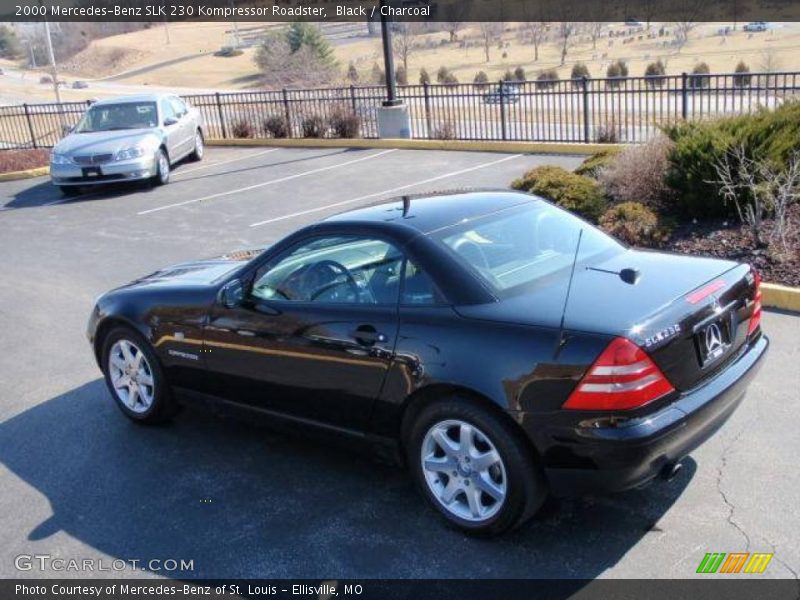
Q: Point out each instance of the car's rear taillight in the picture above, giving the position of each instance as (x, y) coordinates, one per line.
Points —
(623, 377)
(755, 317)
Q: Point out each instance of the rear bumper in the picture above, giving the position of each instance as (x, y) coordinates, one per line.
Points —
(606, 458)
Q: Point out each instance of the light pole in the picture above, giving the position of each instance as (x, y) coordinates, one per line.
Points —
(388, 60)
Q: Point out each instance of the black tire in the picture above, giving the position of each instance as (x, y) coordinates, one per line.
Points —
(526, 488)
(162, 174)
(197, 155)
(70, 190)
(163, 406)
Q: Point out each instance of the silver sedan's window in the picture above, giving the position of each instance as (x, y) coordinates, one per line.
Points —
(124, 115)
(513, 248)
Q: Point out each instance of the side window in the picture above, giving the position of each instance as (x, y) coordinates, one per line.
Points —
(178, 106)
(418, 287)
(333, 270)
(167, 111)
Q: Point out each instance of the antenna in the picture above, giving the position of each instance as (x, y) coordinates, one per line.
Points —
(569, 285)
(406, 205)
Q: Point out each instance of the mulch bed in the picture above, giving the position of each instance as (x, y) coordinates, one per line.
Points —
(729, 239)
(20, 160)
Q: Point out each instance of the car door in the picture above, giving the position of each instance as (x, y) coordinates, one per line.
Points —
(172, 129)
(314, 335)
(186, 125)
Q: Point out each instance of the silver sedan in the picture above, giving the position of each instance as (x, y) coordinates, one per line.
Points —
(127, 139)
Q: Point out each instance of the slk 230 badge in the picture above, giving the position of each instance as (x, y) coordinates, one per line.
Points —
(662, 336)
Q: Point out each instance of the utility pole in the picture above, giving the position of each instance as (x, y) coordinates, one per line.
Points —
(388, 60)
(51, 55)
(236, 41)
(166, 27)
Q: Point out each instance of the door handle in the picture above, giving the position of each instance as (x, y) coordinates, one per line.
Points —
(367, 335)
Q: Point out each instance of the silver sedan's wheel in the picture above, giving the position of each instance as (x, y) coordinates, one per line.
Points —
(131, 376)
(199, 146)
(464, 470)
(162, 163)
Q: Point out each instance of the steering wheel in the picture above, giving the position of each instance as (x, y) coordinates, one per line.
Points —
(332, 268)
(472, 251)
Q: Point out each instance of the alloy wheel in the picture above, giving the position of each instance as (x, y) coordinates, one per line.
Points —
(163, 167)
(199, 147)
(464, 470)
(131, 376)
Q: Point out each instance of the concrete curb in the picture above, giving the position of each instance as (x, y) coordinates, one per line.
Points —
(27, 174)
(780, 296)
(469, 146)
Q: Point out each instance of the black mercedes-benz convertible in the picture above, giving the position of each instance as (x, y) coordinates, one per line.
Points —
(499, 346)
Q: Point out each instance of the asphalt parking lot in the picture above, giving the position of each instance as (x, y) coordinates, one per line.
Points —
(77, 480)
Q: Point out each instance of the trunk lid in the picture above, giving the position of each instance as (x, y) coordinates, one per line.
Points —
(659, 313)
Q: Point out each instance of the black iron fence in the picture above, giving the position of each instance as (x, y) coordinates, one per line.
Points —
(629, 109)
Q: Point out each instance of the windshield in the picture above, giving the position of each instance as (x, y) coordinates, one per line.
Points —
(125, 115)
(514, 249)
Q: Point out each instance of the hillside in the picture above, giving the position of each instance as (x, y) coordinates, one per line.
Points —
(146, 58)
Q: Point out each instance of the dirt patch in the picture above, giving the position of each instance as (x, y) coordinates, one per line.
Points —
(102, 61)
(729, 239)
(20, 160)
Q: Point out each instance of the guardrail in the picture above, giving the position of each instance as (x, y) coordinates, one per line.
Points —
(587, 110)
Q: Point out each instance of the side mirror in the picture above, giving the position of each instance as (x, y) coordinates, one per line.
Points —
(232, 294)
(170, 121)
(66, 130)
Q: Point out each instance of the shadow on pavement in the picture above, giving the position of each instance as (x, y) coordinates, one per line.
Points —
(44, 192)
(244, 502)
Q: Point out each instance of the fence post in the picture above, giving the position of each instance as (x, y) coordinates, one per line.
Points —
(287, 111)
(684, 95)
(585, 109)
(30, 125)
(353, 98)
(427, 97)
(221, 118)
(502, 89)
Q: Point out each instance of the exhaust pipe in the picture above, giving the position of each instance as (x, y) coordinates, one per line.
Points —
(671, 471)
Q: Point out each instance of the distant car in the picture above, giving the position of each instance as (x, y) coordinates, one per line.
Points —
(508, 95)
(633, 23)
(79, 85)
(756, 26)
(438, 329)
(127, 139)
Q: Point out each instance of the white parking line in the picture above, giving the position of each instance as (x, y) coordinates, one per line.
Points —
(385, 192)
(222, 162)
(266, 183)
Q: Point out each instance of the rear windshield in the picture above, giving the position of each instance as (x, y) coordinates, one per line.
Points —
(514, 249)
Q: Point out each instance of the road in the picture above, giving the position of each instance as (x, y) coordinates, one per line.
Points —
(77, 480)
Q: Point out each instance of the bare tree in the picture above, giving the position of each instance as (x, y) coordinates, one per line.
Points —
(537, 30)
(756, 188)
(280, 67)
(595, 31)
(490, 33)
(648, 9)
(688, 11)
(565, 31)
(404, 42)
(454, 14)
